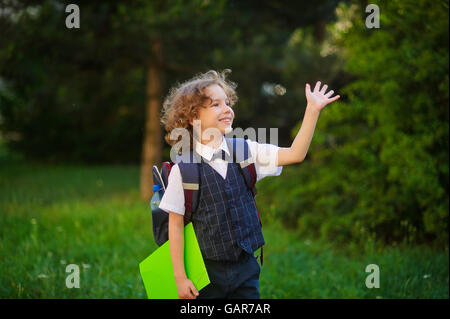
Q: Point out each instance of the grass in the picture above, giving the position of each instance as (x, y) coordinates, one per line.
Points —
(53, 216)
(306, 269)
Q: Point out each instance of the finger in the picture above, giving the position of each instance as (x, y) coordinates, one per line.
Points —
(308, 89)
(334, 98)
(194, 291)
(324, 89)
(188, 295)
(316, 88)
(329, 93)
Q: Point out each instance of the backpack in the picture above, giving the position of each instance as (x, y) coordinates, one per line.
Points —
(191, 184)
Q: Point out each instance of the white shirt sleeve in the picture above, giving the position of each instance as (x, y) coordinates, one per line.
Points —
(265, 157)
(173, 198)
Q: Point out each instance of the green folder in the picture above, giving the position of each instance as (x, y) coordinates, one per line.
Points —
(157, 269)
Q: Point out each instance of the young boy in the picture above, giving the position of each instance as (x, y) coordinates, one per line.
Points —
(226, 221)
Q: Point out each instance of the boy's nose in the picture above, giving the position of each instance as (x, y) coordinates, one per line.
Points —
(228, 110)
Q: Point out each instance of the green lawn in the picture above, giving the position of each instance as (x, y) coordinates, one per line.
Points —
(53, 216)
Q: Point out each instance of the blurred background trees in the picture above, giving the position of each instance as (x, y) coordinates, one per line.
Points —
(378, 167)
(378, 164)
(87, 86)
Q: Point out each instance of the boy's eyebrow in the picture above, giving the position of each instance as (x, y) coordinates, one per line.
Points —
(220, 99)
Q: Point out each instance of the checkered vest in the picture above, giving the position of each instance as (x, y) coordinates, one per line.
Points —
(226, 220)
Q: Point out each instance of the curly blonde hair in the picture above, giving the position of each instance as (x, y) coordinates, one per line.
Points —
(184, 100)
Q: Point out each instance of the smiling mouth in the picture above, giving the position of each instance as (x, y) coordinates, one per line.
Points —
(227, 120)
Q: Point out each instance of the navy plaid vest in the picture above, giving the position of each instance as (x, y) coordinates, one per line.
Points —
(226, 220)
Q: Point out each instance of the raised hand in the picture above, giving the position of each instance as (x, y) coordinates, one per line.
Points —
(318, 99)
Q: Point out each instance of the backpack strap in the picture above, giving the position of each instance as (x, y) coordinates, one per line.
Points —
(190, 177)
(166, 167)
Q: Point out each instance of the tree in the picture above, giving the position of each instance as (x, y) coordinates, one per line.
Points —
(167, 25)
(379, 161)
(90, 82)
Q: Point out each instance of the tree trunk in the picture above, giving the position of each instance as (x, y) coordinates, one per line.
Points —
(320, 29)
(151, 148)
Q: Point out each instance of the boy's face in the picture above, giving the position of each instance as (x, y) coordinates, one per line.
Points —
(218, 113)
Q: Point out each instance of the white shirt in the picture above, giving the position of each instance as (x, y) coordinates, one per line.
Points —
(265, 157)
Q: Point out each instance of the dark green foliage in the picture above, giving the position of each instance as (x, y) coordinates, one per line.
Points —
(80, 94)
(62, 96)
(378, 164)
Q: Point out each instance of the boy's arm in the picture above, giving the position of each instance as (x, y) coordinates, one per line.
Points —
(317, 100)
(185, 287)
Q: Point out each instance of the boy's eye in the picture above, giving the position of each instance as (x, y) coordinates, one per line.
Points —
(227, 103)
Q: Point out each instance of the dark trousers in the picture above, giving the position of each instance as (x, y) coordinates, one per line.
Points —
(232, 279)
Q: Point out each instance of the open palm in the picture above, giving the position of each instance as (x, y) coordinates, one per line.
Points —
(318, 98)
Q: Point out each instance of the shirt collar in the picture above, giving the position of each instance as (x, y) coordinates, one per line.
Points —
(207, 151)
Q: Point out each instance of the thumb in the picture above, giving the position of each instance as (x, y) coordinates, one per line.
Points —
(307, 89)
